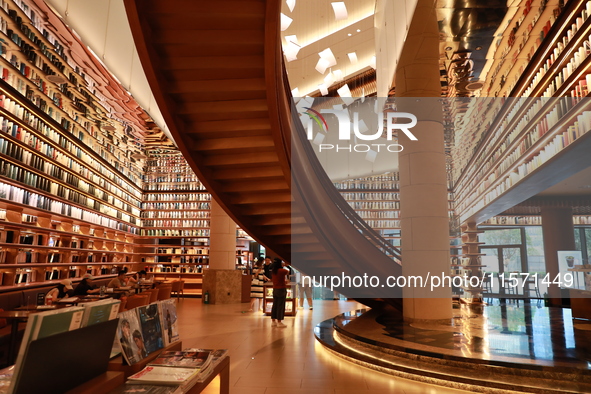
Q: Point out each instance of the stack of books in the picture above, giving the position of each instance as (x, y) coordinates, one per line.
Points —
(182, 369)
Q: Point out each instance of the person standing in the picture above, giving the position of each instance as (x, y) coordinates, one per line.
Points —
(267, 269)
(256, 286)
(280, 279)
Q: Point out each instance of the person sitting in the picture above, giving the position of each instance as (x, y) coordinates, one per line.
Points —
(138, 278)
(64, 289)
(117, 282)
(86, 287)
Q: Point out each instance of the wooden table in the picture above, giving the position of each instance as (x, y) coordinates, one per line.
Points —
(15, 317)
(222, 369)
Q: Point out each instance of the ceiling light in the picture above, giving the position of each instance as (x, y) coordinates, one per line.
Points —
(295, 92)
(290, 5)
(322, 65)
(358, 30)
(371, 155)
(329, 79)
(338, 75)
(291, 52)
(352, 57)
(345, 94)
(340, 10)
(349, 34)
(293, 38)
(285, 22)
(328, 56)
(323, 89)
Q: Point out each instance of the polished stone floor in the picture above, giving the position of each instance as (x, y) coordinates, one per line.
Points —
(515, 332)
(266, 360)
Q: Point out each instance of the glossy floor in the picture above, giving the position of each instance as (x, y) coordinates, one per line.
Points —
(266, 360)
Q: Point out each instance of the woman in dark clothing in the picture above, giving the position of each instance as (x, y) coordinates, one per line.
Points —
(280, 281)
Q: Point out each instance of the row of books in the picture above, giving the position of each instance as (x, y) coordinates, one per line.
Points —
(174, 186)
(183, 251)
(22, 196)
(47, 149)
(175, 223)
(180, 214)
(49, 132)
(176, 205)
(33, 180)
(177, 197)
(173, 177)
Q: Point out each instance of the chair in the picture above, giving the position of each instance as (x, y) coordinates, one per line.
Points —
(164, 292)
(123, 304)
(177, 288)
(153, 295)
(137, 300)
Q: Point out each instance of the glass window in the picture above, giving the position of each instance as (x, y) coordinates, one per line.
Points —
(534, 242)
(510, 236)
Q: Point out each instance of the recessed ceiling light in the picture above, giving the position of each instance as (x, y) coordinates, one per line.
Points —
(349, 34)
(358, 30)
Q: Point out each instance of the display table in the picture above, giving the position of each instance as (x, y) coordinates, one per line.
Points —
(116, 363)
(223, 370)
(290, 300)
(104, 383)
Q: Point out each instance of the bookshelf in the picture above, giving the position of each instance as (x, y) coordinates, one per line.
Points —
(527, 133)
(174, 242)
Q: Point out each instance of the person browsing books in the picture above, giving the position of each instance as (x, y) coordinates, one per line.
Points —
(280, 282)
(64, 289)
(86, 287)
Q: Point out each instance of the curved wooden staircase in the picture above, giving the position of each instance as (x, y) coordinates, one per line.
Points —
(216, 71)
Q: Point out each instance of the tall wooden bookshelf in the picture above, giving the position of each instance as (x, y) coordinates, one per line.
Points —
(174, 241)
(527, 134)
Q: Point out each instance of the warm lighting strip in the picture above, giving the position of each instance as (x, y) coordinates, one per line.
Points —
(320, 37)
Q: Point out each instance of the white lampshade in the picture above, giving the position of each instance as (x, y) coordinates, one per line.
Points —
(318, 138)
(285, 22)
(352, 57)
(292, 38)
(338, 75)
(329, 79)
(290, 4)
(340, 10)
(329, 56)
(291, 51)
(322, 65)
(295, 92)
(323, 89)
(345, 94)
(371, 155)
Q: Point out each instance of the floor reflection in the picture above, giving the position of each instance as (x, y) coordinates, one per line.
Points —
(506, 329)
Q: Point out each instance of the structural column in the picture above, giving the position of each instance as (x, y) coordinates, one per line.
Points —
(559, 234)
(222, 281)
(423, 181)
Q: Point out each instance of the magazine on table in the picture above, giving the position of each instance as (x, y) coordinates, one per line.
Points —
(129, 335)
(184, 359)
(151, 328)
(168, 321)
(138, 388)
(154, 374)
